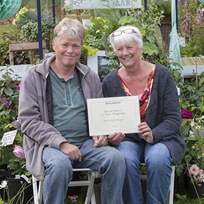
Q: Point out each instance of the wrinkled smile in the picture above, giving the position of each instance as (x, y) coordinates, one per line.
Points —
(127, 58)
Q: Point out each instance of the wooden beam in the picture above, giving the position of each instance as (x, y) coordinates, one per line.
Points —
(25, 47)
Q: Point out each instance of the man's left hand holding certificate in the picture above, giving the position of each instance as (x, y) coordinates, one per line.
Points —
(114, 114)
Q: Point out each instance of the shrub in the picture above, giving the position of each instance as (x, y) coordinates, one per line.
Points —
(12, 37)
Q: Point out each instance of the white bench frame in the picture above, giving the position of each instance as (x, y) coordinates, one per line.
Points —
(90, 196)
(170, 199)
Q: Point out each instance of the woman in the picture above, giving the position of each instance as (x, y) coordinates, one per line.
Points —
(159, 143)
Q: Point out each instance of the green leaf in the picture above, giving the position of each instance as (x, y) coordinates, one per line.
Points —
(126, 20)
(8, 91)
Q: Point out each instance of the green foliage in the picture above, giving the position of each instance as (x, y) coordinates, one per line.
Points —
(165, 7)
(29, 32)
(8, 92)
(145, 21)
(24, 16)
(26, 20)
(11, 37)
(192, 96)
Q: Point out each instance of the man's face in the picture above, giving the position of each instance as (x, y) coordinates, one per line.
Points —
(67, 50)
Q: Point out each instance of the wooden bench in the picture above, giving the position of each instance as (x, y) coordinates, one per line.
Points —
(30, 47)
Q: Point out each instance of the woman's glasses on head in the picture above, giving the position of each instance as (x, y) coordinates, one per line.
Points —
(119, 32)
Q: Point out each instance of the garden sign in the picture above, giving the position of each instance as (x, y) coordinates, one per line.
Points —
(102, 4)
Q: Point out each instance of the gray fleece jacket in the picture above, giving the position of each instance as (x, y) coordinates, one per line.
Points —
(163, 113)
(35, 111)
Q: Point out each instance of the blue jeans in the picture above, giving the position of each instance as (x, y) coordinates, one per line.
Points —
(158, 163)
(107, 160)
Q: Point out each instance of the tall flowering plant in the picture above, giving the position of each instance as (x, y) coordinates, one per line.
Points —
(12, 156)
(191, 27)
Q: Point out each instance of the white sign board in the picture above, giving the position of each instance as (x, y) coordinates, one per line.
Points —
(102, 4)
(182, 41)
(8, 138)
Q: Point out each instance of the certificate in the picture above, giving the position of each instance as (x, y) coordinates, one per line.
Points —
(114, 114)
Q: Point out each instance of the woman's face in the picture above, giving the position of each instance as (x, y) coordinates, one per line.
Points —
(128, 53)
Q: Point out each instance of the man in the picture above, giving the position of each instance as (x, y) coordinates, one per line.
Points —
(53, 116)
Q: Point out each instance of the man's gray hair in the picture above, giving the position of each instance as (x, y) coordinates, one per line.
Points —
(72, 27)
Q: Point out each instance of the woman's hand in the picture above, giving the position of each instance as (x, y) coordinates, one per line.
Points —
(145, 132)
(100, 140)
(116, 138)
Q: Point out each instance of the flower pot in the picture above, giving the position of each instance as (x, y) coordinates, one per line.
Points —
(20, 192)
(199, 188)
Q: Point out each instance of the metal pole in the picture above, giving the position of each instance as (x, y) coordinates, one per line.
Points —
(39, 30)
(53, 10)
(145, 5)
(176, 14)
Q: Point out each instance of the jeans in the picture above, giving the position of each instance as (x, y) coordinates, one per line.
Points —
(159, 165)
(107, 160)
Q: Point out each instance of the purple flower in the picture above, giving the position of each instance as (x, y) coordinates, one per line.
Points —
(188, 15)
(200, 19)
(5, 102)
(201, 13)
(181, 34)
(18, 87)
(18, 151)
(198, 12)
(136, 14)
(17, 123)
(186, 114)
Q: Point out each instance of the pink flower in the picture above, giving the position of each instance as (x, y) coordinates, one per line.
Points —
(5, 102)
(186, 114)
(188, 15)
(73, 198)
(18, 151)
(194, 170)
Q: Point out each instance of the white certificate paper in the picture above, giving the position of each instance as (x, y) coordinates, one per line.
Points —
(114, 114)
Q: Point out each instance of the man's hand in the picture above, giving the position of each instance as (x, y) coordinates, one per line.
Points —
(71, 150)
(116, 138)
(146, 132)
(100, 140)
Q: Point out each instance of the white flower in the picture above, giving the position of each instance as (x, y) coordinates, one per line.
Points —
(192, 123)
(3, 184)
(191, 133)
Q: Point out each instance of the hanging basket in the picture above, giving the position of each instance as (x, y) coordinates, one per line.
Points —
(8, 8)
